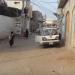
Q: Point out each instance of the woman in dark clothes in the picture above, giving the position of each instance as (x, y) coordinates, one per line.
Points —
(11, 39)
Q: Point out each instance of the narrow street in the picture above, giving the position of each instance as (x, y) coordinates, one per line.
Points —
(52, 22)
(28, 58)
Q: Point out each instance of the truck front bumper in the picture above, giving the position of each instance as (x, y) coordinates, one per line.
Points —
(51, 42)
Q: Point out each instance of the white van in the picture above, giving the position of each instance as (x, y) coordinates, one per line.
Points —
(46, 36)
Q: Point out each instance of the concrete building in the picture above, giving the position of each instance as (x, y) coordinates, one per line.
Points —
(17, 4)
(6, 19)
(68, 10)
(14, 3)
(29, 14)
(36, 21)
(50, 23)
(6, 26)
(61, 22)
(23, 21)
(2, 1)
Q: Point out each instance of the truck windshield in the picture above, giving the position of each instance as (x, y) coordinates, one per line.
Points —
(50, 32)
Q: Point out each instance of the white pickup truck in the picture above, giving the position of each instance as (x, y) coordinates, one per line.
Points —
(48, 36)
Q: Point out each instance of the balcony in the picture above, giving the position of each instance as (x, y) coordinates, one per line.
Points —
(9, 11)
(62, 3)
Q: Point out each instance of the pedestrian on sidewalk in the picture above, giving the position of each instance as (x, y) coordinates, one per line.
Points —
(26, 33)
(11, 38)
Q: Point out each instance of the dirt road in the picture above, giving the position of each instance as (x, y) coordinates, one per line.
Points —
(27, 58)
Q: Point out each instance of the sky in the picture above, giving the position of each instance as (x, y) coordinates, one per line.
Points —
(46, 7)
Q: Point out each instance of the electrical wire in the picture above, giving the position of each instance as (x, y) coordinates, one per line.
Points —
(42, 7)
(48, 2)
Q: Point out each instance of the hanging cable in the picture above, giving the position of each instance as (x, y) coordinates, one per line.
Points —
(42, 7)
(47, 2)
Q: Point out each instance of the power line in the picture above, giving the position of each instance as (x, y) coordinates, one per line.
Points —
(42, 7)
(48, 2)
(36, 5)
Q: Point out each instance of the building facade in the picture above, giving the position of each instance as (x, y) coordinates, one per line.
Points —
(68, 9)
(2, 1)
(22, 21)
(15, 3)
(36, 21)
(50, 23)
(29, 14)
(6, 19)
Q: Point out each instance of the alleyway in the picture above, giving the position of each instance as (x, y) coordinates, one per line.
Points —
(28, 58)
(20, 44)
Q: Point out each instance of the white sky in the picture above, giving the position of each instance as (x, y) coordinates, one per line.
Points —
(46, 7)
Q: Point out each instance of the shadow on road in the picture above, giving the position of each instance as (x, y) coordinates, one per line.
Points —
(53, 46)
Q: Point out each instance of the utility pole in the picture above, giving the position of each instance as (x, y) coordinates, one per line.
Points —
(28, 16)
(25, 18)
(23, 6)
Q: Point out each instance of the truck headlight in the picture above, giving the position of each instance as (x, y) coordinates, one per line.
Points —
(44, 38)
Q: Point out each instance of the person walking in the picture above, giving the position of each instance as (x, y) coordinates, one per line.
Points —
(26, 33)
(11, 38)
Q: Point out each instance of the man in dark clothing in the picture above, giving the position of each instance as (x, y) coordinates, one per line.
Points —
(60, 36)
(26, 33)
(11, 39)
